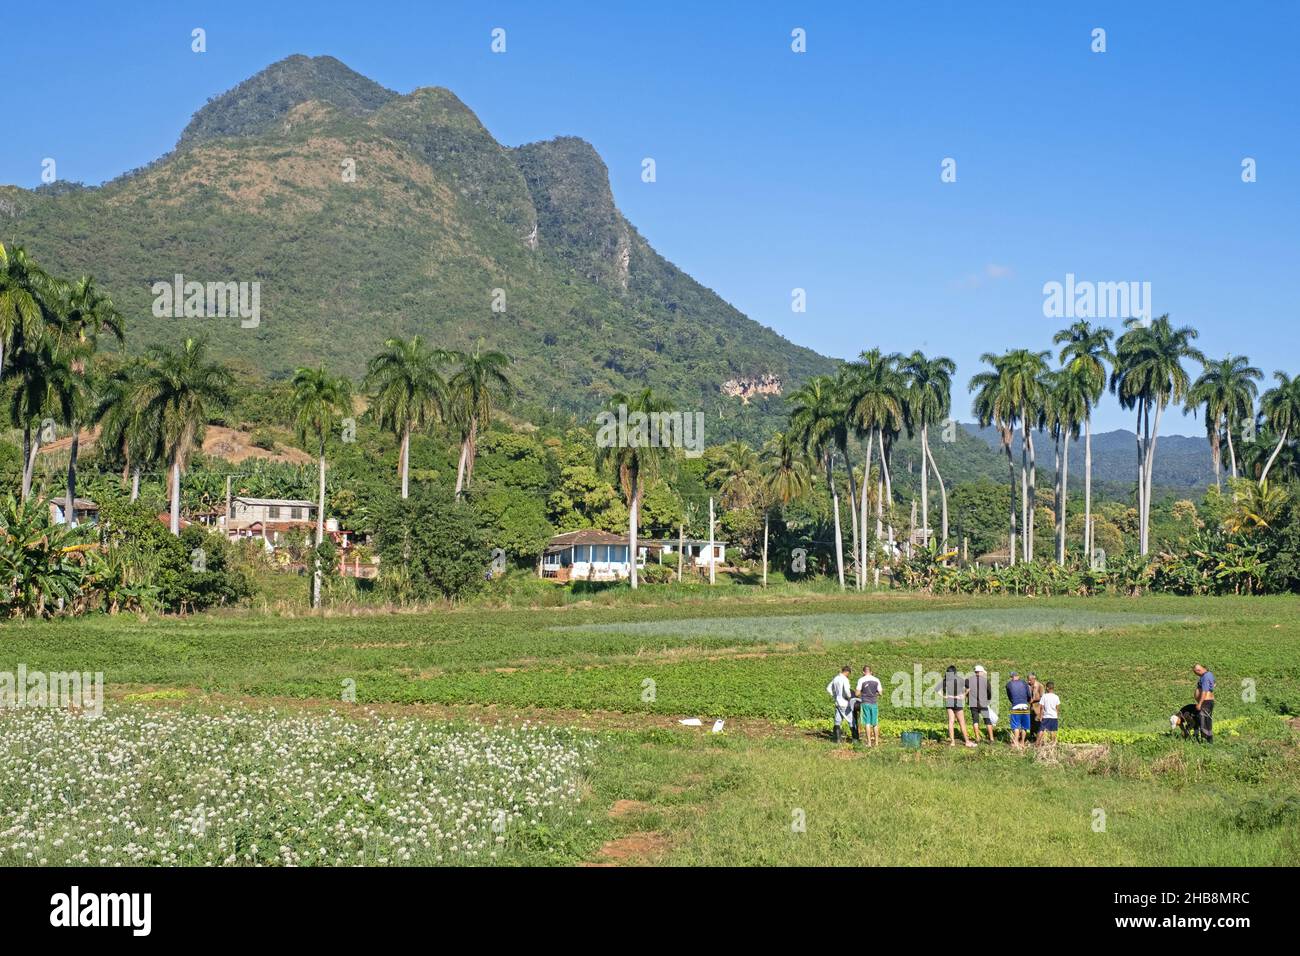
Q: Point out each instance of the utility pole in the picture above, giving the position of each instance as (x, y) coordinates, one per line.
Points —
(712, 563)
(226, 529)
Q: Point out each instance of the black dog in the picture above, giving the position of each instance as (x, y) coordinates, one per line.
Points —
(1188, 720)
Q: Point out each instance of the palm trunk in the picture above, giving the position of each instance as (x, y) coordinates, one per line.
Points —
(70, 509)
(1033, 492)
(1232, 453)
(135, 483)
(1150, 471)
(888, 502)
(1141, 453)
(766, 519)
(30, 448)
(853, 519)
(835, 502)
(1065, 497)
(863, 505)
(925, 487)
(943, 498)
(320, 533)
(1269, 464)
(1024, 497)
(631, 535)
(1087, 488)
(1056, 496)
(405, 455)
(176, 496)
(1011, 480)
(1214, 456)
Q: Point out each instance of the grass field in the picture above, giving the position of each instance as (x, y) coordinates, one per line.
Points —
(630, 784)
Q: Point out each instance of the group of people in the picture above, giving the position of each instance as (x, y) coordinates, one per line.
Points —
(1035, 707)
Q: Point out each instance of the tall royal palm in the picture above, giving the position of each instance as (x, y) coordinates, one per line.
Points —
(179, 392)
(929, 401)
(409, 392)
(480, 386)
(1226, 389)
(1085, 352)
(318, 400)
(845, 384)
(785, 477)
(1067, 404)
(993, 405)
(81, 314)
(874, 405)
(633, 462)
(1148, 375)
(24, 292)
(1281, 406)
(43, 390)
(122, 424)
(817, 419)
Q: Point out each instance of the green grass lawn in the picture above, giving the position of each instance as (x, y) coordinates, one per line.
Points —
(625, 674)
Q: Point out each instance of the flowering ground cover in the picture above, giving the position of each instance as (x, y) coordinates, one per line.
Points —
(260, 787)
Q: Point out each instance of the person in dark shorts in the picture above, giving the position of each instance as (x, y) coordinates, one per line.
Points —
(980, 697)
(1205, 701)
(868, 701)
(954, 700)
(1018, 697)
(1051, 705)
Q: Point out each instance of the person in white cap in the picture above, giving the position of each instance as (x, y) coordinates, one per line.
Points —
(841, 692)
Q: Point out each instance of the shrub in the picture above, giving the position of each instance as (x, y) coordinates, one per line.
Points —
(432, 546)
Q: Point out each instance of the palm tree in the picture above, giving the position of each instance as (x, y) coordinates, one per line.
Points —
(1147, 376)
(785, 477)
(1227, 390)
(44, 386)
(929, 401)
(80, 313)
(479, 386)
(122, 425)
(179, 393)
(1068, 399)
(408, 391)
(993, 405)
(1024, 373)
(24, 291)
(634, 465)
(1086, 351)
(318, 399)
(1281, 406)
(874, 405)
(816, 421)
(844, 386)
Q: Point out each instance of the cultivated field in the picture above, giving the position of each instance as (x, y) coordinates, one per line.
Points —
(402, 738)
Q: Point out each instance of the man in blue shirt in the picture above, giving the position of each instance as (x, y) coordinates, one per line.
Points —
(1205, 701)
(1018, 696)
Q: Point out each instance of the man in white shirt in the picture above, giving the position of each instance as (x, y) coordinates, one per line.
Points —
(1051, 715)
(841, 692)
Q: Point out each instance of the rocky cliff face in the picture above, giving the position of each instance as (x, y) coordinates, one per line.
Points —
(365, 213)
(747, 388)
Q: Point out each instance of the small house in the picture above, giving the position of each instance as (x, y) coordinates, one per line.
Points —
(588, 555)
(268, 518)
(84, 511)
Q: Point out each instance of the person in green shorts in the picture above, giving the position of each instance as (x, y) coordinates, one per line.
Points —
(868, 695)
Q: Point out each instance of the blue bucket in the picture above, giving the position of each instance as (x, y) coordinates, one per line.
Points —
(912, 739)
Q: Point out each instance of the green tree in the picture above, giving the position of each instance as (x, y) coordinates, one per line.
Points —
(785, 476)
(929, 402)
(479, 387)
(318, 399)
(874, 407)
(179, 393)
(995, 405)
(1147, 376)
(1085, 350)
(409, 392)
(1281, 406)
(818, 423)
(1226, 390)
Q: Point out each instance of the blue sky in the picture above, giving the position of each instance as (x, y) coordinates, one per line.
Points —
(820, 170)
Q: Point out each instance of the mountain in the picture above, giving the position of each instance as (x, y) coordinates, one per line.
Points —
(1181, 462)
(363, 213)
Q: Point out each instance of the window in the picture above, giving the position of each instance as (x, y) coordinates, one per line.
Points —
(273, 512)
(297, 514)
